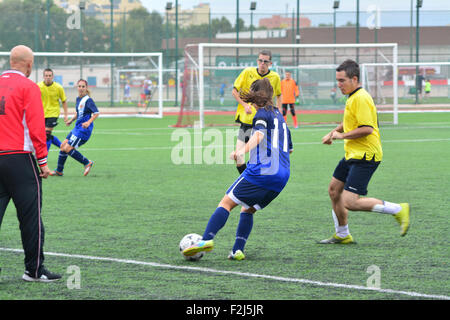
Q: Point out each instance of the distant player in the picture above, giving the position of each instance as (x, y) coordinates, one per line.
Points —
(127, 92)
(87, 112)
(52, 93)
(245, 112)
(427, 88)
(267, 172)
(146, 93)
(289, 92)
(363, 154)
(222, 93)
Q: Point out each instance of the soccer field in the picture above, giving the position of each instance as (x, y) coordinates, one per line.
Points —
(114, 234)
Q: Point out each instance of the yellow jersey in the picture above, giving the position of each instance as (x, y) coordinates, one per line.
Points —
(360, 111)
(244, 82)
(50, 98)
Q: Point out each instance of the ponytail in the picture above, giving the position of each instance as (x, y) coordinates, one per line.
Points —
(260, 94)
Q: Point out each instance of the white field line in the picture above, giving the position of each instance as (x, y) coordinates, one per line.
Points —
(308, 128)
(232, 146)
(241, 274)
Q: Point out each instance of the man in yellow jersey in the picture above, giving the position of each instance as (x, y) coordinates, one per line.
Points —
(245, 112)
(363, 154)
(52, 93)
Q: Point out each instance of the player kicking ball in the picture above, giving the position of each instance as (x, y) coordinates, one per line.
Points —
(267, 172)
(363, 154)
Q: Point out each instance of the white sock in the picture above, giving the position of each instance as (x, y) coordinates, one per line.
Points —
(342, 231)
(335, 219)
(387, 207)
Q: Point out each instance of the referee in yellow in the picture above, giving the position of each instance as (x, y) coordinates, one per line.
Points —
(52, 93)
(363, 154)
(245, 112)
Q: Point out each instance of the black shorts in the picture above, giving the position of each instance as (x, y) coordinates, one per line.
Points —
(284, 107)
(355, 174)
(245, 131)
(51, 122)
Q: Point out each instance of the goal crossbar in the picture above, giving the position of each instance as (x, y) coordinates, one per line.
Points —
(203, 46)
(111, 55)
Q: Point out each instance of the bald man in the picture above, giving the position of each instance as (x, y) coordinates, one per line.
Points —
(23, 140)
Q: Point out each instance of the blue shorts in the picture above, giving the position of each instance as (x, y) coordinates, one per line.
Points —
(355, 174)
(249, 195)
(74, 141)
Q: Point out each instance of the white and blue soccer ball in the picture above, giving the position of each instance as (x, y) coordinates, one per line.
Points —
(189, 240)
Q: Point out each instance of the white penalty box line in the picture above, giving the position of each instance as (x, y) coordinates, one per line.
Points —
(240, 274)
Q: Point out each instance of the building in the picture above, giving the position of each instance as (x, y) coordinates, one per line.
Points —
(101, 9)
(198, 15)
(277, 21)
(434, 41)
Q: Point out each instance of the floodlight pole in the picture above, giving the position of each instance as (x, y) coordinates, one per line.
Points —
(335, 7)
(112, 50)
(47, 33)
(297, 40)
(411, 32)
(168, 8)
(82, 7)
(357, 29)
(419, 4)
(176, 53)
(237, 31)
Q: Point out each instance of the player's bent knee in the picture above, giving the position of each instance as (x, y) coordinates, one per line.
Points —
(66, 147)
(350, 201)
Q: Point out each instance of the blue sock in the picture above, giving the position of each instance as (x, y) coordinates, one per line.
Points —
(61, 161)
(49, 143)
(78, 156)
(243, 231)
(215, 223)
(56, 141)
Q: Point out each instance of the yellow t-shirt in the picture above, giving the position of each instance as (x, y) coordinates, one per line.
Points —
(244, 81)
(50, 98)
(360, 111)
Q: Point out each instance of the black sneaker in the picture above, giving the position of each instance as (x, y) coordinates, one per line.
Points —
(46, 276)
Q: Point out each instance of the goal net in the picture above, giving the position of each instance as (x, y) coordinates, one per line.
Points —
(211, 68)
(118, 82)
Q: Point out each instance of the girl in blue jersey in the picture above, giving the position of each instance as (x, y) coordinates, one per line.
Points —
(267, 171)
(87, 112)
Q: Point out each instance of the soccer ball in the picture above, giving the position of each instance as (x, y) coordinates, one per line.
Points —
(189, 240)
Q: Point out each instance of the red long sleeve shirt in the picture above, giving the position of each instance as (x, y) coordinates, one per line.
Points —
(22, 124)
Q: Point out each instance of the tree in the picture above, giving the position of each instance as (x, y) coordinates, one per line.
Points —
(143, 32)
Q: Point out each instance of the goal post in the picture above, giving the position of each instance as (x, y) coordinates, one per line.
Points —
(211, 65)
(105, 79)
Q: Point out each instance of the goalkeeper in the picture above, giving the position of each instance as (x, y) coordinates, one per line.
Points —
(245, 111)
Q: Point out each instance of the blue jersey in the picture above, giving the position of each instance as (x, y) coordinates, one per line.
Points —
(222, 89)
(85, 108)
(269, 164)
(127, 90)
